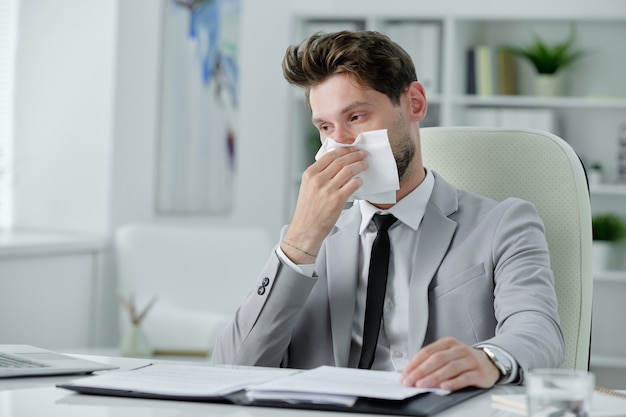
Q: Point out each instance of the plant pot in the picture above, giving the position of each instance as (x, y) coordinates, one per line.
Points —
(549, 85)
(135, 343)
(594, 176)
(602, 252)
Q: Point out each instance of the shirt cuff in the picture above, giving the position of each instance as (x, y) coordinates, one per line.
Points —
(515, 369)
(304, 269)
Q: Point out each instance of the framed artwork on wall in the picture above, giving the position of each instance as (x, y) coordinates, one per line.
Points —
(198, 107)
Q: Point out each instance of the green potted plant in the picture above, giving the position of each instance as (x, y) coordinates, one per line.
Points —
(608, 227)
(548, 61)
(607, 230)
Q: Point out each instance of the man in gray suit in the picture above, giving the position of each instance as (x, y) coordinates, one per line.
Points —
(469, 297)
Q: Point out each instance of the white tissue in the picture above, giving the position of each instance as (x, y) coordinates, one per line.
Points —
(380, 180)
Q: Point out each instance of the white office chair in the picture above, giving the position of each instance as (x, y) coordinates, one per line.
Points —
(200, 275)
(541, 168)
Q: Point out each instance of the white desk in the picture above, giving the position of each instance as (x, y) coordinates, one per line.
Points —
(28, 397)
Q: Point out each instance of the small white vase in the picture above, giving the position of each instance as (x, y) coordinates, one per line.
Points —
(548, 85)
(135, 343)
(595, 176)
(602, 253)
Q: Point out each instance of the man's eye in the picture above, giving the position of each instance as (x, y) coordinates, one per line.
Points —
(356, 117)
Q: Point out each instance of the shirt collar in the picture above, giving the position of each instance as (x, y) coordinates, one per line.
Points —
(410, 210)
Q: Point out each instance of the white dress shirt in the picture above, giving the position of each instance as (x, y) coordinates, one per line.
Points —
(392, 351)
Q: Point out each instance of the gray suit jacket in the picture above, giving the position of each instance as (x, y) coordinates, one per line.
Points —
(482, 276)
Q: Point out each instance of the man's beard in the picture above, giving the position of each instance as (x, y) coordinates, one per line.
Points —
(405, 149)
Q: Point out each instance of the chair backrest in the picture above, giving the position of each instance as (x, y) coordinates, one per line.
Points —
(541, 168)
(199, 273)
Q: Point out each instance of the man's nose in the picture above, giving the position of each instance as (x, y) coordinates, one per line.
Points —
(343, 135)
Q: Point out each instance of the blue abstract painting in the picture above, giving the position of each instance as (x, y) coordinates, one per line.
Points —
(196, 158)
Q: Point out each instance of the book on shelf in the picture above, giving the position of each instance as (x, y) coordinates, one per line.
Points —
(422, 41)
(484, 71)
(490, 71)
(470, 80)
(506, 73)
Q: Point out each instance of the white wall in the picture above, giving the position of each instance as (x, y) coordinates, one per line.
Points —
(87, 111)
(65, 79)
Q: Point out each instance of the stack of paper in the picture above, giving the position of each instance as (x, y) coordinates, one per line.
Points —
(179, 381)
(323, 385)
(332, 385)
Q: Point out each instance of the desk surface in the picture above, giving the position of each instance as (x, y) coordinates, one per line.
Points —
(27, 397)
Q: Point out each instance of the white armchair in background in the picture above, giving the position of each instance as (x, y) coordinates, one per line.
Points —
(200, 275)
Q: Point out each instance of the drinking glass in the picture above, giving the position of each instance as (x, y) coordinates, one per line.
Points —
(559, 393)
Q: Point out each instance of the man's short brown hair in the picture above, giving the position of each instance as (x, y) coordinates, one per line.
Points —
(374, 60)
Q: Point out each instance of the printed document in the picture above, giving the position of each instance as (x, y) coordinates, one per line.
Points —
(329, 384)
(325, 385)
(193, 380)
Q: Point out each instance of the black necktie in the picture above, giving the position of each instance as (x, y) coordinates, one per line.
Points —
(376, 286)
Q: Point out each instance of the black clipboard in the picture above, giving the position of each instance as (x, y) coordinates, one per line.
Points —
(422, 405)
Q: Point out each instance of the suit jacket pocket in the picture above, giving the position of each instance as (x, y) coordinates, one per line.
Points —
(444, 284)
(461, 305)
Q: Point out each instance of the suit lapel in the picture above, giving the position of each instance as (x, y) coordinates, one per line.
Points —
(342, 252)
(437, 231)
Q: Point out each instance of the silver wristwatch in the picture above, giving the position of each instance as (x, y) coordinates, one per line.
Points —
(502, 363)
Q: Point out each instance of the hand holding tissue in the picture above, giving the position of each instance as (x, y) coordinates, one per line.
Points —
(380, 180)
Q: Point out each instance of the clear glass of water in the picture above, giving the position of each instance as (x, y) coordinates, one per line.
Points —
(559, 393)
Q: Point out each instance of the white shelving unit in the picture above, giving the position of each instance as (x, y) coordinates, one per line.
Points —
(608, 355)
(610, 276)
(589, 116)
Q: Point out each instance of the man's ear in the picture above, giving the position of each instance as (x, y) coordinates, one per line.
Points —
(416, 97)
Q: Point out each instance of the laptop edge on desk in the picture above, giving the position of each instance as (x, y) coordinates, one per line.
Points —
(43, 362)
